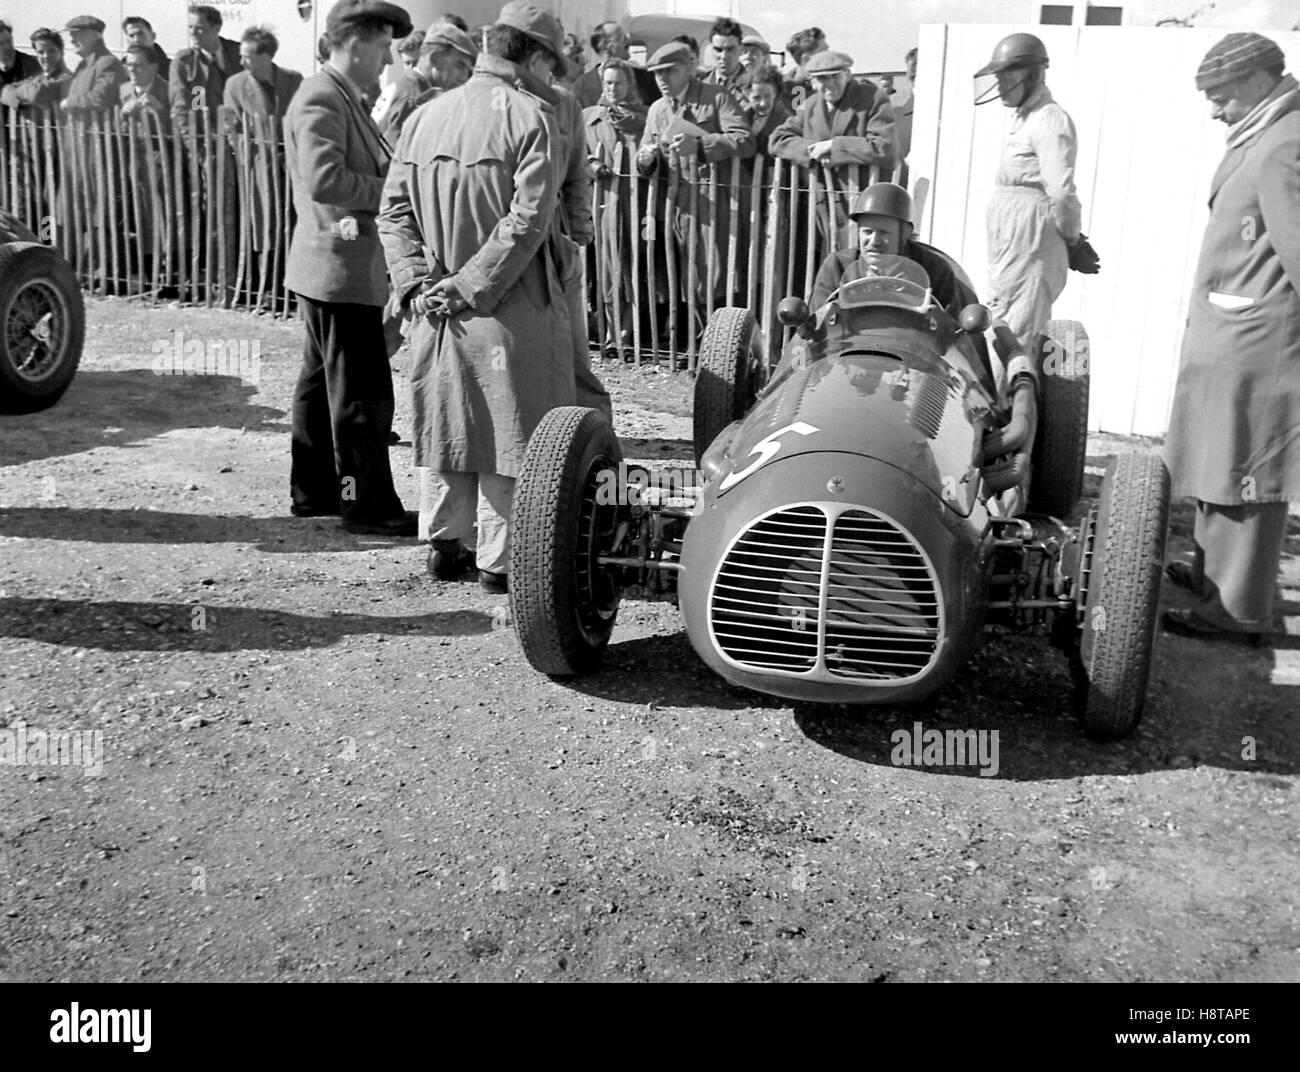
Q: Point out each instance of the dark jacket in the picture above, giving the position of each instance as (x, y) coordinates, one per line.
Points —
(24, 67)
(41, 91)
(155, 99)
(846, 265)
(93, 89)
(191, 71)
(860, 127)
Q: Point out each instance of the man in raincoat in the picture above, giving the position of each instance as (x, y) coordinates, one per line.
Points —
(467, 227)
(1234, 434)
(1034, 215)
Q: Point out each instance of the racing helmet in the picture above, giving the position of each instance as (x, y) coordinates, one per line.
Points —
(1015, 52)
(883, 199)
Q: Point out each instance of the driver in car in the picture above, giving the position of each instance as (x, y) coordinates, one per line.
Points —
(883, 213)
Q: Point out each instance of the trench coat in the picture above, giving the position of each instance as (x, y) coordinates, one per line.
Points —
(472, 194)
(1234, 433)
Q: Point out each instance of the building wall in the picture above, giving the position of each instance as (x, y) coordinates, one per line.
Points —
(1147, 151)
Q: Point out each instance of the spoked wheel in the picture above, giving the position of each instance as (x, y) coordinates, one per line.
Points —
(1121, 557)
(1061, 445)
(566, 512)
(732, 370)
(42, 327)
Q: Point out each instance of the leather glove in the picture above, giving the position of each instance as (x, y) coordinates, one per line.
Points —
(1083, 258)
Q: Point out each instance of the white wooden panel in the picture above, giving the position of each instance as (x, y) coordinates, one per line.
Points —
(1147, 150)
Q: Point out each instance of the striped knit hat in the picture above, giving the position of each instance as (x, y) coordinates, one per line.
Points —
(1236, 56)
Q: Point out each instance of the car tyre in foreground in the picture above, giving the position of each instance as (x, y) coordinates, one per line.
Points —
(1123, 549)
(42, 327)
(565, 511)
(1061, 445)
(730, 375)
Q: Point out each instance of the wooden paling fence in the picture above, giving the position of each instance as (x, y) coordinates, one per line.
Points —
(204, 215)
(201, 214)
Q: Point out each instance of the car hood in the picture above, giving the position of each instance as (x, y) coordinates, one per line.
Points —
(920, 416)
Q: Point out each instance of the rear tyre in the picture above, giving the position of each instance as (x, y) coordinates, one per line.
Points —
(731, 373)
(42, 327)
(563, 602)
(1061, 445)
(1119, 593)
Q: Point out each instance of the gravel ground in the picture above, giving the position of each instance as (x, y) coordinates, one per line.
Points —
(318, 764)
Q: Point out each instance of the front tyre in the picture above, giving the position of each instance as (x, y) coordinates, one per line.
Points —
(564, 603)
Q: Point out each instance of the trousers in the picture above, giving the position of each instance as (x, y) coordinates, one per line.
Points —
(1238, 553)
(474, 508)
(342, 414)
(1028, 260)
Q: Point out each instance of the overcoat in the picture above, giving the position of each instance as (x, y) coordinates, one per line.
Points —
(472, 194)
(603, 139)
(1234, 433)
(191, 70)
(246, 95)
(860, 127)
(336, 161)
(94, 86)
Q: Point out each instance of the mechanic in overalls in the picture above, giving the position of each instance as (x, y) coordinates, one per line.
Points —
(1034, 236)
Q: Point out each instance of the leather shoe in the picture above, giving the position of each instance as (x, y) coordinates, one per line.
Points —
(1189, 624)
(1182, 574)
(497, 584)
(449, 559)
(401, 525)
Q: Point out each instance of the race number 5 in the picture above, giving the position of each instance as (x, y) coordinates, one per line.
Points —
(766, 449)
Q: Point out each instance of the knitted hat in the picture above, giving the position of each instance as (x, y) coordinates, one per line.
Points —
(1236, 56)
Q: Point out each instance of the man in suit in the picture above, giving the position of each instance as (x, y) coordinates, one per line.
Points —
(43, 90)
(693, 120)
(94, 87)
(1234, 433)
(144, 90)
(337, 162)
(844, 124)
(609, 41)
(139, 31)
(199, 73)
(725, 38)
(263, 87)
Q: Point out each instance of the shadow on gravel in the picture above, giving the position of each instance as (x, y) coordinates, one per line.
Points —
(656, 449)
(103, 525)
(664, 671)
(116, 408)
(125, 626)
(1022, 690)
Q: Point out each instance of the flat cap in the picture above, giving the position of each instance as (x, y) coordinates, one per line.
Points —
(1236, 56)
(756, 40)
(447, 33)
(86, 22)
(829, 63)
(348, 11)
(538, 23)
(670, 55)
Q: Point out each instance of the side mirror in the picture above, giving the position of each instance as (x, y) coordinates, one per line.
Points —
(792, 312)
(975, 319)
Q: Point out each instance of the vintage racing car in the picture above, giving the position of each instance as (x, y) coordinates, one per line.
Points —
(42, 321)
(863, 512)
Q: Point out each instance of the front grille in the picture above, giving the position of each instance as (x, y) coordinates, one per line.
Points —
(865, 607)
(766, 597)
(882, 607)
